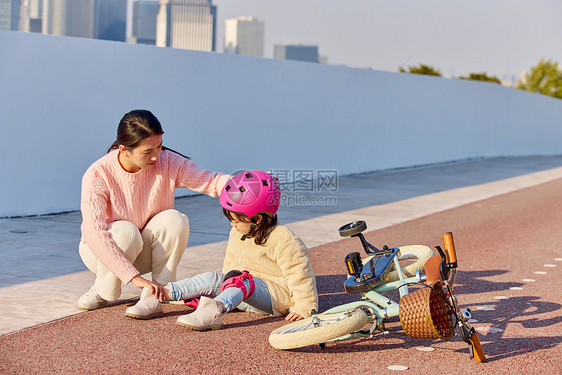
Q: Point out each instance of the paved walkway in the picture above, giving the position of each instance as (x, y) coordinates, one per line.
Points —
(43, 275)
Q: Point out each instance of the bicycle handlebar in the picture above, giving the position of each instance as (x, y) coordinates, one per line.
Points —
(450, 252)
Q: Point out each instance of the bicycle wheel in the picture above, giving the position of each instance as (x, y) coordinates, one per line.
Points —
(308, 332)
(411, 258)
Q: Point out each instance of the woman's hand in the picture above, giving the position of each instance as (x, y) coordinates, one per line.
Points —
(155, 289)
(293, 317)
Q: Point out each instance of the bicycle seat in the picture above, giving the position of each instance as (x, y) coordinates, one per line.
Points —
(373, 274)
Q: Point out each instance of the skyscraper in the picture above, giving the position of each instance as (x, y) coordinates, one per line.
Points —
(31, 16)
(35, 15)
(10, 14)
(69, 17)
(187, 24)
(144, 21)
(110, 20)
(99, 19)
(296, 52)
(244, 36)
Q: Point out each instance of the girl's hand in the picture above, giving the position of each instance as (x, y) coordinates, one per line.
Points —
(155, 289)
(293, 317)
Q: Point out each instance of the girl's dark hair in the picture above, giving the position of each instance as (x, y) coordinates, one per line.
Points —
(261, 230)
(136, 126)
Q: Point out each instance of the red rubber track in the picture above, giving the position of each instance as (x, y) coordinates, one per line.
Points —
(499, 241)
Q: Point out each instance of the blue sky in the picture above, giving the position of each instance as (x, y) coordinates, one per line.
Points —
(499, 37)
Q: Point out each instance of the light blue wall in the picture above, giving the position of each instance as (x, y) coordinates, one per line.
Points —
(62, 98)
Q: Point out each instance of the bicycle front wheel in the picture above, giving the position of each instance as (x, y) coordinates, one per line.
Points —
(318, 329)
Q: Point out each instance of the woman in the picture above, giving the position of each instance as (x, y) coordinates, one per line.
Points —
(129, 226)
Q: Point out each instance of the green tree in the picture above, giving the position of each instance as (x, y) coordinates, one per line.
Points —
(482, 77)
(421, 69)
(544, 78)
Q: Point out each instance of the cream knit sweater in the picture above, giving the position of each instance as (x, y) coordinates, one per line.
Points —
(282, 263)
(109, 193)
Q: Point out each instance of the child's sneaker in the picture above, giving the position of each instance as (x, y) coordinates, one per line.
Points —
(207, 316)
(147, 307)
(91, 300)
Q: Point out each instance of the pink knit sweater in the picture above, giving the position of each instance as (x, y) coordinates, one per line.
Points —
(109, 193)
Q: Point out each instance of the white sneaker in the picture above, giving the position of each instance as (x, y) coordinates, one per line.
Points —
(91, 300)
(207, 316)
(146, 308)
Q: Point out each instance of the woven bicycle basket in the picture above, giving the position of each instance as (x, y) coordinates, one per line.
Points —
(425, 315)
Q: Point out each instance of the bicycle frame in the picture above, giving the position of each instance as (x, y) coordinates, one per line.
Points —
(376, 303)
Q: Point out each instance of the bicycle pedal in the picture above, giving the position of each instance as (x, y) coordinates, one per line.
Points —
(372, 335)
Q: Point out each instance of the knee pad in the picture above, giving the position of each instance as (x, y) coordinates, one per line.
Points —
(236, 279)
(194, 302)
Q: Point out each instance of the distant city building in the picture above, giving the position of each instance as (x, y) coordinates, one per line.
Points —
(98, 19)
(244, 36)
(30, 17)
(144, 22)
(69, 18)
(23, 20)
(33, 16)
(186, 24)
(296, 52)
(110, 20)
(509, 80)
(10, 14)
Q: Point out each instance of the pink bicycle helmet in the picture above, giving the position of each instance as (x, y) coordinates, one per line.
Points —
(251, 193)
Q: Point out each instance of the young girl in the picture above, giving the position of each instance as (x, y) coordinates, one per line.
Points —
(266, 268)
(129, 226)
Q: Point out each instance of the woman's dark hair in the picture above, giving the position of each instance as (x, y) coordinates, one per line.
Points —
(136, 126)
(260, 231)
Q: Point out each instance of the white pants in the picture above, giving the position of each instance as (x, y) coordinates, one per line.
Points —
(158, 248)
